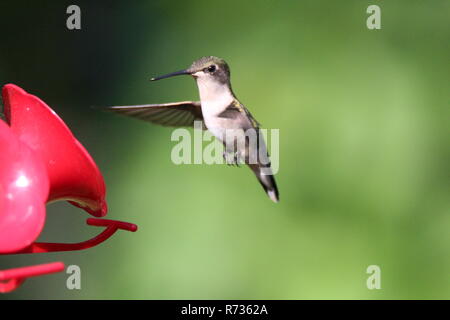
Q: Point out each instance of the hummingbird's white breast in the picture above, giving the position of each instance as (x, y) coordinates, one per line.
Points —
(215, 97)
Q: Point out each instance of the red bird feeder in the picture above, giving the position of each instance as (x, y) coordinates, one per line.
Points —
(41, 162)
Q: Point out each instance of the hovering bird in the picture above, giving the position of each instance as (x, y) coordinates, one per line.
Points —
(219, 110)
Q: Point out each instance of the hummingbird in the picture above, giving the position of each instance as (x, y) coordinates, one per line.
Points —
(220, 111)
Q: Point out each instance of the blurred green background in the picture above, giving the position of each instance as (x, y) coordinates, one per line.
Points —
(364, 147)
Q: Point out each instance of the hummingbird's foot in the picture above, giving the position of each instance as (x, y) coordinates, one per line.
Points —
(232, 159)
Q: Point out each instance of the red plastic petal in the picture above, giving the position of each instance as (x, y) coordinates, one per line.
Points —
(73, 175)
(23, 191)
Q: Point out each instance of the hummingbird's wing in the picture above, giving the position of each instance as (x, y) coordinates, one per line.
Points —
(176, 114)
(240, 114)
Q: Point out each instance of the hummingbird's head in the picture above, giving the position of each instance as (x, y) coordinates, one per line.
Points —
(206, 69)
(210, 69)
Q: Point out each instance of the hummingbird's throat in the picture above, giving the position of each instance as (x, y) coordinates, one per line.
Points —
(214, 92)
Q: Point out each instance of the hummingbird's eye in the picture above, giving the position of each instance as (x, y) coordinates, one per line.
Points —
(211, 68)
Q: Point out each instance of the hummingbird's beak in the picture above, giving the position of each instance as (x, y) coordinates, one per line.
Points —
(173, 74)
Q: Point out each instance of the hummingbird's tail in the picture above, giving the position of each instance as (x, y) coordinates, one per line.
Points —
(267, 181)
